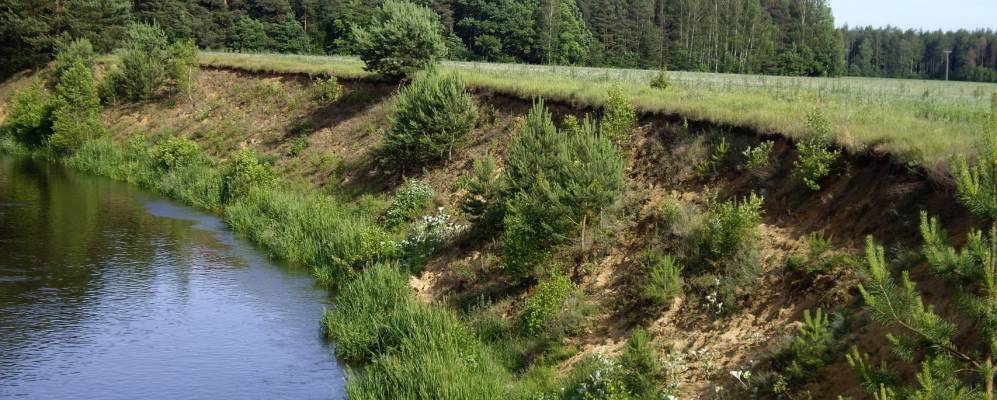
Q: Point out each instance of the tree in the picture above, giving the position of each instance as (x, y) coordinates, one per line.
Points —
(151, 64)
(76, 115)
(402, 38)
(249, 35)
(288, 36)
(433, 117)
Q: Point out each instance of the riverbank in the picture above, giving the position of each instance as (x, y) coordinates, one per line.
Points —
(458, 311)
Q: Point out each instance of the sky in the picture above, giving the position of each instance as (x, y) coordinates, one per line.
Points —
(917, 14)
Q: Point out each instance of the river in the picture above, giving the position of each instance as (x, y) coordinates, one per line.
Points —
(111, 292)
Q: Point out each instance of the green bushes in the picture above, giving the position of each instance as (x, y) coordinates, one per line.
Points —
(309, 229)
(327, 90)
(728, 251)
(811, 349)
(150, 65)
(816, 156)
(245, 171)
(546, 302)
(757, 158)
(661, 81)
(482, 202)
(175, 152)
(433, 117)
(409, 350)
(730, 225)
(29, 120)
(76, 51)
(412, 197)
(620, 118)
(661, 278)
(976, 184)
(637, 374)
(402, 38)
(642, 372)
(558, 185)
(76, 109)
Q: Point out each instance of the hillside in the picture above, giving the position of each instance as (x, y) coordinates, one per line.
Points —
(333, 149)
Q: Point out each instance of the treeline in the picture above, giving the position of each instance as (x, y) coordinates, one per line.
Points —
(891, 52)
(784, 37)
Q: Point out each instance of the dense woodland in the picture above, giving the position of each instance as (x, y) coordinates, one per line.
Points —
(786, 37)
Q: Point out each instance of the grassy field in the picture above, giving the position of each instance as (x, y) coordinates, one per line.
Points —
(924, 122)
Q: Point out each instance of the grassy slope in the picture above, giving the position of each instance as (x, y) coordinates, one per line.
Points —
(925, 122)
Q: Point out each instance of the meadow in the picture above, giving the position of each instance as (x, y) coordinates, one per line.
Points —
(920, 122)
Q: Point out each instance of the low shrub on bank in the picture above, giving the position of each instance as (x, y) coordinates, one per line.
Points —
(408, 349)
(243, 172)
(410, 199)
(29, 118)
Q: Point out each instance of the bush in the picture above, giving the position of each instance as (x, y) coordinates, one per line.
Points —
(596, 377)
(29, 119)
(558, 184)
(546, 301)
(76, 109)
(811, 349)
(68, 54)
(729, 248)
(976, 184)
(175, 152)
(412, 197)
(816, 157)
(482, 203)
(150, 64)
(620, 118)
(401, 38)
(730, 225)
(327, 90)
(433, 117)
(640, 368)
(426, 236)
(661, 81)
(245, 171)
(758, 157)
(661, 278)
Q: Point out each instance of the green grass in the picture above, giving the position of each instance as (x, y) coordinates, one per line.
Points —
(924, 122)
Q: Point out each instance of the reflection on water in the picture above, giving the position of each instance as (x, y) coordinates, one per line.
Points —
(107, 292)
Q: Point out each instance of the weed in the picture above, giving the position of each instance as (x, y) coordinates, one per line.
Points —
(412, 197)
(546, 301)
(327, 90)
(757, 158)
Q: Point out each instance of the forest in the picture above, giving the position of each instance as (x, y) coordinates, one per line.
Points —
(778, 37)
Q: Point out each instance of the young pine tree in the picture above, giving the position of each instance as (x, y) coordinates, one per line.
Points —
(76, 109)
(403, 37)
(951, 367)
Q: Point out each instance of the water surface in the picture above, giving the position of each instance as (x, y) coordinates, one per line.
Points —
(110, 292)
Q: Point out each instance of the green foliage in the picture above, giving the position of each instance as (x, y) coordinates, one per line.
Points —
(759, 157)
(249, 35)
(558, 185)
(596, 377)
(412, 197)
(976, 185)
(641, 371)
(661, 278)
(402, 38)
(288, 36)
(409, 349)
(327, 90)
(811, 348)
(730, 225)
(175, 152)
(619, 118)
(714, 161)
(661, 81)
(728, 256)
(546, 301)
(310, 229)
(433, 117)
(816, 157)
(482, 203)
(29, 119)
(245, 171)
(76, 109)
(150, 64)
(76, 51)
(820, 257)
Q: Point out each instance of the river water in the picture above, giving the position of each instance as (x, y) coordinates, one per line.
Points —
(110, 292)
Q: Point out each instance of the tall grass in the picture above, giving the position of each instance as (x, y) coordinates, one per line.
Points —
(408, 349)
(919, 121)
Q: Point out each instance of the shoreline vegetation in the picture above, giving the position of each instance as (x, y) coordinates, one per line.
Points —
(577, 240)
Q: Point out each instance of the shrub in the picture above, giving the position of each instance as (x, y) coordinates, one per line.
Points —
(730, 225)
(758, 157)
(426, 236)
(714, 160)
(412, 197)
(661, 81)
(596, 377)
(729, 250)
(175, 152)
(76, 109)
(245, 171)
(977, 183)
(433, 117)
(545, 302)
(641, 370)
(620, 118)
(29, 119)
(482, 203)
(661, 278)
(151, 64)
(816, 157)
(811, 349)
(401, 38)
(68, 54)
(558, 184)
(327, 90)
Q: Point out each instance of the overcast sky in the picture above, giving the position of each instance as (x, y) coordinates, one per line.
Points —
(917, 14)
